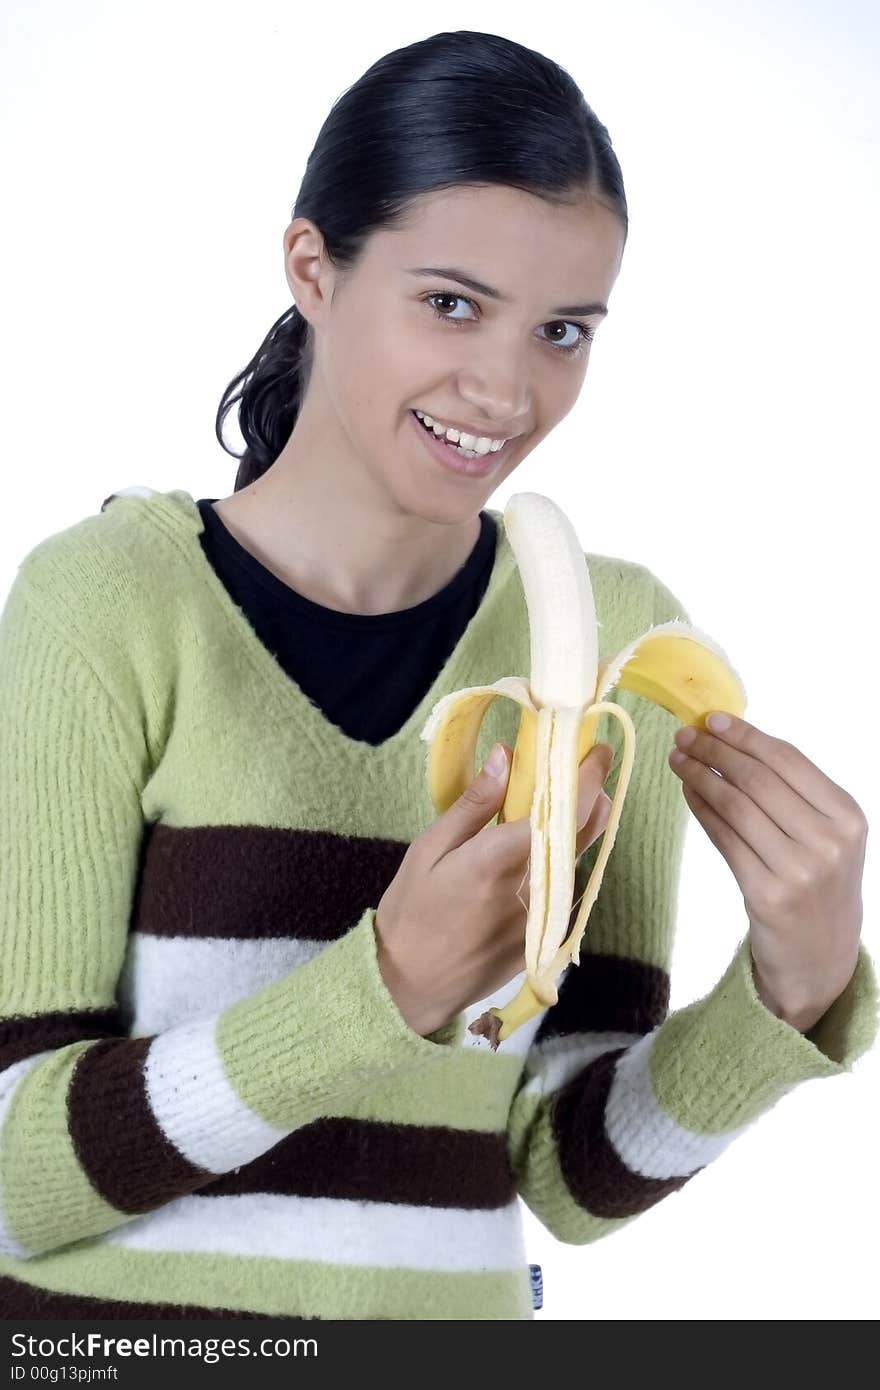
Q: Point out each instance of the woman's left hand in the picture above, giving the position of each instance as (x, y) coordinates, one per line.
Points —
(795, 841)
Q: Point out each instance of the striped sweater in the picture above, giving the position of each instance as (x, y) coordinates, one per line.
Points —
(210, 1104)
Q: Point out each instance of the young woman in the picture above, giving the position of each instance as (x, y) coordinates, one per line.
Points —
(239, 951)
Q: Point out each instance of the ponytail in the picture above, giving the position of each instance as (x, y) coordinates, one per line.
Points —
(273, 385)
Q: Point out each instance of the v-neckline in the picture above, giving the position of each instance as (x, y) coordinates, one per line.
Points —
(288, 696)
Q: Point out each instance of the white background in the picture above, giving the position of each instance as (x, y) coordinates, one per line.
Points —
(726, 435)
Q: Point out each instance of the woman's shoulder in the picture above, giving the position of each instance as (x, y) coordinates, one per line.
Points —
(112, 571)
(129, 525)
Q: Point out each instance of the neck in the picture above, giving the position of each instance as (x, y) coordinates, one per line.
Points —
(337, 538)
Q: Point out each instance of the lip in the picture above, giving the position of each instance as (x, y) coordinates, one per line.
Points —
(457, 463)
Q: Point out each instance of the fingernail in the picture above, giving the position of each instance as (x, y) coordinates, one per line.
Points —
(496, 763)
(718, 723)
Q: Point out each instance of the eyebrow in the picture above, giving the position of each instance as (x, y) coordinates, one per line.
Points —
(478, 287)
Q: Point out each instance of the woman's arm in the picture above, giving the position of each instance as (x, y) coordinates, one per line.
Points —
(114, 1126)
(620, 1103)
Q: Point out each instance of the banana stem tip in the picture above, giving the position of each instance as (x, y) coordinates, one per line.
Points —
(488, 1025)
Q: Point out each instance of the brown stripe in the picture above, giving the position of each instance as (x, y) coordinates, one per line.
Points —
(364, 1160)
(258, 883)
(607, 994)
(117, 1140)
(19, 1300)
(22, 1036)
(593, 1170)
(135, 1168)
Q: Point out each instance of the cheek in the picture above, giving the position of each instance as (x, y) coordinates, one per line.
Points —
(404, 350)
(382, 370)
(352, 384)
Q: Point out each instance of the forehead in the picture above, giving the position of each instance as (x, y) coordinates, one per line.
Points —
(508, 238)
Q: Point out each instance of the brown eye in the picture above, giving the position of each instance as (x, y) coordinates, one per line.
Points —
(444, 294)
(584, 332)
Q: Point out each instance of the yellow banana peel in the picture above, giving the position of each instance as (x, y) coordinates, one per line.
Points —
(673, 664)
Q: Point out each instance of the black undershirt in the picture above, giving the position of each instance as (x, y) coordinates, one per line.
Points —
(366, 672)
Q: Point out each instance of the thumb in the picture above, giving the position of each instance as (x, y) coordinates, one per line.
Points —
(480, 800)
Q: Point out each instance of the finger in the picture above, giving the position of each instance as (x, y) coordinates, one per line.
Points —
(748, 867)
(596, 822)
(750, 841)
(507, 844)
(794, 818)
(592, 772)
(789, 763)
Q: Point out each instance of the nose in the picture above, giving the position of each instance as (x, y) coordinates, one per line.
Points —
(497, 390)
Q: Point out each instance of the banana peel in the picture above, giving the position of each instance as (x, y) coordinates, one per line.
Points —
(673, 664)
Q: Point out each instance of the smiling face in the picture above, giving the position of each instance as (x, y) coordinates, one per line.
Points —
(390, 339)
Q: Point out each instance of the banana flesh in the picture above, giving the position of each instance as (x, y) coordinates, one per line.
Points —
(673, 664)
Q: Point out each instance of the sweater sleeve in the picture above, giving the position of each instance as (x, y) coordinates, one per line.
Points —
(620, 1103)
(98, 1127)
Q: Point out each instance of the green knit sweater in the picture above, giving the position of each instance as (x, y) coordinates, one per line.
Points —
(210, 1104)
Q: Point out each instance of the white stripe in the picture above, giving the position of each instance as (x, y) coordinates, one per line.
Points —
(647, 1139)
(332, 1231)
(553, 1063)
(167, 981)
(10, 1080)
(195, 1105)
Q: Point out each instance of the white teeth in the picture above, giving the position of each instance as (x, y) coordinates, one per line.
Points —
(475, 444)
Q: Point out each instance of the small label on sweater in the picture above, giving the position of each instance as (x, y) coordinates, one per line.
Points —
(537, 1286)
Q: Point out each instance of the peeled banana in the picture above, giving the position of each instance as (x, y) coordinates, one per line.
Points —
(673, 664)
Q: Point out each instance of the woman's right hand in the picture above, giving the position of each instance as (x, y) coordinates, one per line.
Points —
(450, 928)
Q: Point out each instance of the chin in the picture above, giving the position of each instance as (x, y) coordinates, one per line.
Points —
(435, 509)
